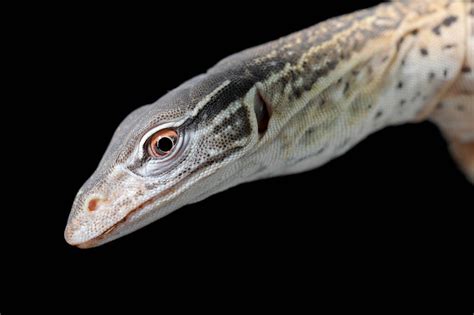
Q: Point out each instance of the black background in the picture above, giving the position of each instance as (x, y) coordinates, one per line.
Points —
(394, 211)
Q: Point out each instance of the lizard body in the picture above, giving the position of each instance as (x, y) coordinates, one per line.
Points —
(285, 107)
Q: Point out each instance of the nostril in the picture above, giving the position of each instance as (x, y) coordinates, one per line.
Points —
(93, 203)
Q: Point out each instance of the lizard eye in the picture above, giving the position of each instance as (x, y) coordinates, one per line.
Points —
(162, 142)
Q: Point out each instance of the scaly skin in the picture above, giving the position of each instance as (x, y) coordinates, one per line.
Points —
(285, 107)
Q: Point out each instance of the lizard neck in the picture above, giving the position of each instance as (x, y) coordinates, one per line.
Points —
(390, 66)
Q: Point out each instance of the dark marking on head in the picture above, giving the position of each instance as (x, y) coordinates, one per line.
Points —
(402, 103)
(378, 114)
(414, 32)
(445, 73)
(403, 62)
(424, 51)
(369, 106)
(240, 122)
(400, 85)
(446, 22)
(297, 92)
(384, 59)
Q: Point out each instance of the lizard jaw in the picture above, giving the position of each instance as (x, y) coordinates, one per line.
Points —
(105, 236)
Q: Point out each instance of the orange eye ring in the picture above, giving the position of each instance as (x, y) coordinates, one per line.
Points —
(162, 142)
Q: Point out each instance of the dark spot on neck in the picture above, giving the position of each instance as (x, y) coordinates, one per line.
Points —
(414, 32)
(431, 76)
(445, 73)
(400, 85)
(346, 88)
(449, 46)
(466, 69)
(424, 51)
(400, 42)
(450, 20)
(402, 103)
(446, 22)
(370, 70)
(378, 114)
(417, 95)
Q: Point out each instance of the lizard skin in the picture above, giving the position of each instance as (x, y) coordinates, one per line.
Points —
(286, 107)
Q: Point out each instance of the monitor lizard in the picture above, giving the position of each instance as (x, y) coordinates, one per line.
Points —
(285, 107)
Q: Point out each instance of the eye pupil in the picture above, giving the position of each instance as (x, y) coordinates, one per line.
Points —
(165, 144)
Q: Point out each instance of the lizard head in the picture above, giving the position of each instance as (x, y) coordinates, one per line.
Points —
(177, 151)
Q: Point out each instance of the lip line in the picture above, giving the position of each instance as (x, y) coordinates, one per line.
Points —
(93, 241)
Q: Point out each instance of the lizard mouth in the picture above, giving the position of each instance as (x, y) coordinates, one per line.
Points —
(148, 211)
(103, 237)
(97, 240)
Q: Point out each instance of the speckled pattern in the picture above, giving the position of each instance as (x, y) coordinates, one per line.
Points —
(455, 112)
(285, 107)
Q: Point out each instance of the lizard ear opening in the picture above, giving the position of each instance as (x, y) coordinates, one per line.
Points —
(262, 112)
